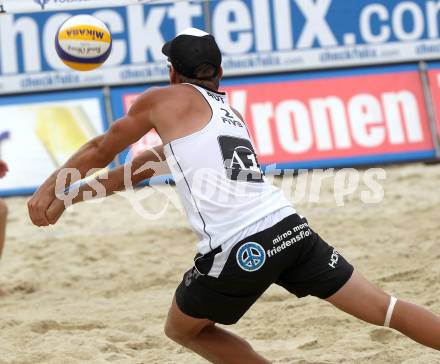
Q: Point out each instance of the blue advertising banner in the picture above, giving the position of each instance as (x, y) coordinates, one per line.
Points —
(255, 36)
(283, 35)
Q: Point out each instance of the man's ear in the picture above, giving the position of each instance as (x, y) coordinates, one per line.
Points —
(173, 76)
(220, 72)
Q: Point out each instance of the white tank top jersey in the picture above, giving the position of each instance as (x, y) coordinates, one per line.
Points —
(219, 179)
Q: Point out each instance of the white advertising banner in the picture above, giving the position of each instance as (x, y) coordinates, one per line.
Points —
(255, 36)
(42, 132)
(27, 6)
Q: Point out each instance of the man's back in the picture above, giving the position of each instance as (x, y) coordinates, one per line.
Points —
(216, 170)
(176, 111)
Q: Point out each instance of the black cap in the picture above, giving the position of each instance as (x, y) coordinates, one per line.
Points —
(190, 49)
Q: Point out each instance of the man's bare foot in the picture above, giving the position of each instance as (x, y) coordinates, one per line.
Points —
(3, 293)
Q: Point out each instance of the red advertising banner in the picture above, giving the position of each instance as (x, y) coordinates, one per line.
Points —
(332, 119)
(356, 119)
(434, 82)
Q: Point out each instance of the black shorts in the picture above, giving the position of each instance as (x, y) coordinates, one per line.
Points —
(289, 254)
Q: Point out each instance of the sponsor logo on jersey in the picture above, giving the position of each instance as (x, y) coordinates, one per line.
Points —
(289, 238)
(240, 160)
(334, 259)
(193, 274)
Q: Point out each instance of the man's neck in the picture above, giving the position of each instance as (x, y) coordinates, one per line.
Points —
(212, 86)
(208, 85)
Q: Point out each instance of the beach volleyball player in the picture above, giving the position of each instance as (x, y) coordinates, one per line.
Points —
(249, 235)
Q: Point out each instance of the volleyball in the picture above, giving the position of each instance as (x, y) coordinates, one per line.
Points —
(83, 42)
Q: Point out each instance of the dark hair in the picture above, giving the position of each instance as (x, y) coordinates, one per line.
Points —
(204, 74)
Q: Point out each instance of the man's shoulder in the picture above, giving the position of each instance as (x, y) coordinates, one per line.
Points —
(166, 93)
(162, 104)
(160, 98)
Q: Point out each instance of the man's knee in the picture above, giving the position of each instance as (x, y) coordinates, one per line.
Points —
(172, 332)
(182, 328)
(178, 335)
(183, 336)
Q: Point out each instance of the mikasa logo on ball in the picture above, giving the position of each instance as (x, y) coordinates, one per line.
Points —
(93, 34)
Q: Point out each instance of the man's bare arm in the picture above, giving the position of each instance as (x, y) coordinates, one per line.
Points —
(97, 153)
(148, 164)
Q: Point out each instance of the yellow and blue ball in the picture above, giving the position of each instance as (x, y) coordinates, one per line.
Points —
(83, 42)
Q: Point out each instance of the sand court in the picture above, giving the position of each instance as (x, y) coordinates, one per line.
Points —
(96, 288)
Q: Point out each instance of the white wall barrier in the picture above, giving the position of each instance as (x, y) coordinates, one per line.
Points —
(255, 36)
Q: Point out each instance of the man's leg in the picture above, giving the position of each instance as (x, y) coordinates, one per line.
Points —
(209, 341)
(3, 218)
(365, 301)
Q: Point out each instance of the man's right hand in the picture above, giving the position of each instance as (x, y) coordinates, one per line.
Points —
(39, 203)
(55, 210)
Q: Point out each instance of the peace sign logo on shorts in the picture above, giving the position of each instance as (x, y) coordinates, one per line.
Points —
(251, 257)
